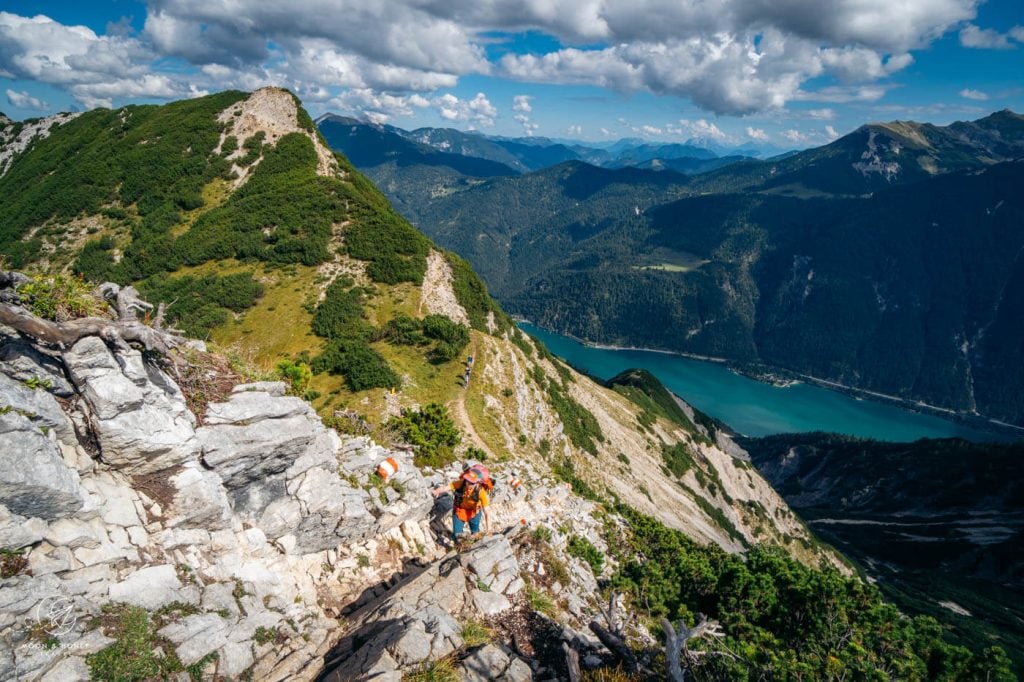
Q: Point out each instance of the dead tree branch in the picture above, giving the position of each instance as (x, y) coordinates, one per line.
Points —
(612, 636)
(126, 329)
(676, 643)
(572, 662)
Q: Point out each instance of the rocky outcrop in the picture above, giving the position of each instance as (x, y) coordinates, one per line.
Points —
(137, 413)
(422, 619)
(247, 530)
(34, 480)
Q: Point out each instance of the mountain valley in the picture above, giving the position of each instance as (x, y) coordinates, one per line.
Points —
(910, 230)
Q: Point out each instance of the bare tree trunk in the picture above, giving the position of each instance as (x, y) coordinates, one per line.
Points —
(676, 640)
(617, 646)
(119, 333)
(673, 650)
(613, 637)
(572, 662)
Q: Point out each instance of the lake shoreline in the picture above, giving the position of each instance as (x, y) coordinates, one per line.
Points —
(783, 378)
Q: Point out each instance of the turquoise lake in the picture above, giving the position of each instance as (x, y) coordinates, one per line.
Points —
(755, 408)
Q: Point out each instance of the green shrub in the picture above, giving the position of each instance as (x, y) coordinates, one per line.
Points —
(362, 367)
(432, 432)
(452, 337)
(96, 260)
(297, 374)
(61, 298)
(402, 330)
(580, 424)
(340, 314)
(584, 549)
(677, 458)
(784, 619)
(566, 471)
(198, 304)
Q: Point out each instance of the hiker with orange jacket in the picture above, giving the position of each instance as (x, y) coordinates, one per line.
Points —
(471, 500)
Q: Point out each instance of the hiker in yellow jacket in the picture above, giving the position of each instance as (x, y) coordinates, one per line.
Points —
(471, 500)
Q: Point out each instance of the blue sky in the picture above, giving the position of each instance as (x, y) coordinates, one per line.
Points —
(783, 73)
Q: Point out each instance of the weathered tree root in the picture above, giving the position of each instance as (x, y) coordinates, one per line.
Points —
(119, 333)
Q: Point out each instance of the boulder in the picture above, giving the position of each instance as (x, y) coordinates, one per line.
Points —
(34, 479)
(200, 500)
(151, 588)
(138, 414)
(22, 362)
(38, 406)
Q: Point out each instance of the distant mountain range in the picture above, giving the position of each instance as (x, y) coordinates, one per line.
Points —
(522, 154)
(888, 260)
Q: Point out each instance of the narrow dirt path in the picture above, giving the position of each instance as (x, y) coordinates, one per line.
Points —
(457, 408)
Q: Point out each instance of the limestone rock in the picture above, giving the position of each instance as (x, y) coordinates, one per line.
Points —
(490, 663)
(197, 635)
(38, 406)
(246, 452)
(200, 501)
(151, 588)
(34, 479)
(274, 388)
(137, 412)
(21, 362)
(17, 531)
(490, 603)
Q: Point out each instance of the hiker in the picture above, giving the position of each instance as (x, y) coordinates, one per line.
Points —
(471, 500)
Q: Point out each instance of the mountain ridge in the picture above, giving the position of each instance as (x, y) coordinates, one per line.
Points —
(550, 266)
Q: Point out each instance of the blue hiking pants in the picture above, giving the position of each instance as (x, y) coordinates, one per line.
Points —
(458, 525)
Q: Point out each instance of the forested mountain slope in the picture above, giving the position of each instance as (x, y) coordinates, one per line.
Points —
(887, 260)
(937, 522)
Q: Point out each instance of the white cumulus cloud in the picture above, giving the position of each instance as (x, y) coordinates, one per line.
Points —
(984, 38)
(23, 100)
(529, 127)
(703, 130)
(831, 133)
(478, 111)
(726, 56)
(757, 134)
(522, 103)
(969, 93)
